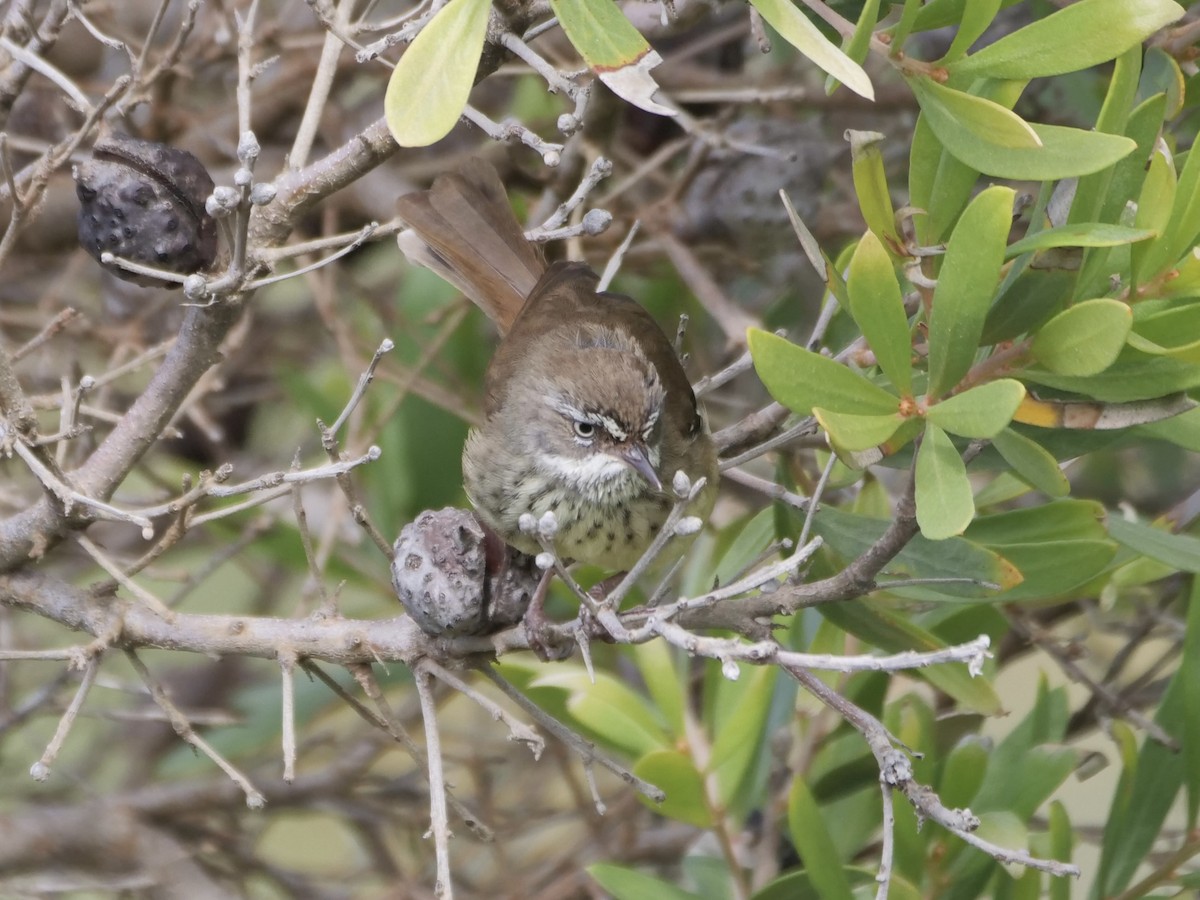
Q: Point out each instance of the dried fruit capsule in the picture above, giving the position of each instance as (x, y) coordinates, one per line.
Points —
(144, 202)
(454, 581)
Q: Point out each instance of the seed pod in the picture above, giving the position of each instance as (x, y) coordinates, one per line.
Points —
(144, 202)
(454, 578)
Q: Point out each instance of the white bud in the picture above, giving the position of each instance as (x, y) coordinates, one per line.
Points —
(688, 525)
(86, 383)
(548, 525)
(596, 221)
(248, 148)
(681, 484)
(544, 561)
(729, 668)
(568, 124)
(262, 193)
(552, 158)
(194, 287)
(243, 177)
(527, 523)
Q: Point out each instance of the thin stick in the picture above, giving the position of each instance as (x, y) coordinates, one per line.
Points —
(287, 668)
(183, 728)
(518, 731)
(40, 770)
(439, 823)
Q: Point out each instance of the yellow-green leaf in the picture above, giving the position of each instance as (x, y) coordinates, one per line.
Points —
(871, 187)
(1079, 36)
(429, 86)
(966, 284)
(945, 506)
(877, 306)
(1085, 339)
(1032, 462)
(1082, 234)
(855, 432)
(801, 379)
(950, 112)
(795, 28)
(674, 773)
(980, 412)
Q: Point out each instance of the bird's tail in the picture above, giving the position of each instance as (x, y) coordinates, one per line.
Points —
(463, 229)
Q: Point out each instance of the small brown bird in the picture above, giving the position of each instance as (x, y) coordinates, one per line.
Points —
(588, 410)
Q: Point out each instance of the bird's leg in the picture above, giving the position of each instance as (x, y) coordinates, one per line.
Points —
(538, 630)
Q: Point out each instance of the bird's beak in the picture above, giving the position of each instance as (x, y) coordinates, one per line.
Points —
(636, 458)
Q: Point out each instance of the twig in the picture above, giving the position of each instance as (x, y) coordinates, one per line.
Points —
(287, 668)
(183, 728)
(815, 501)
(360, 388)
(518, 731)
(514, 132)
(765, 486)
(439, 824)
(896, 772)
(124, 580)
(614, 262)
(40, 770)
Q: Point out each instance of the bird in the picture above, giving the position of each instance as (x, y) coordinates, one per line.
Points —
(588, 413)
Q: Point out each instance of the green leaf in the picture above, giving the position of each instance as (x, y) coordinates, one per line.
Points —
(850, 535)
(852, 432)
(1076, 37)
(1032, 462)
(877, 307)
(980, 412)
(965, 769)
(428, 88)
(663, 679)
(795, 28)
(1154, 205)
(675, 774)
(799, 886)
(1062, 842)
(1180, 233)
(800, 379)
(1064, 152)
(1134, 376)
(871, 187)
(1114, 118)
(1057, 546)
(1150, 786)
(971, 119)
(1179, 551)
(1189, 679)
(1183, 430)
(1085, 339)
(626, 884)
(975, 19)
(965, 287)
(609, 709)
(739, 724)
(613, 48)
(812, 841)
(945, 506)
(1083, 234)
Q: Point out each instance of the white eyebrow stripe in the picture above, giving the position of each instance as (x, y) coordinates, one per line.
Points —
(618, 433)
(608, 423)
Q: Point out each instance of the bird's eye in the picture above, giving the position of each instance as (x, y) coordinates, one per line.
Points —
(586, 430)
